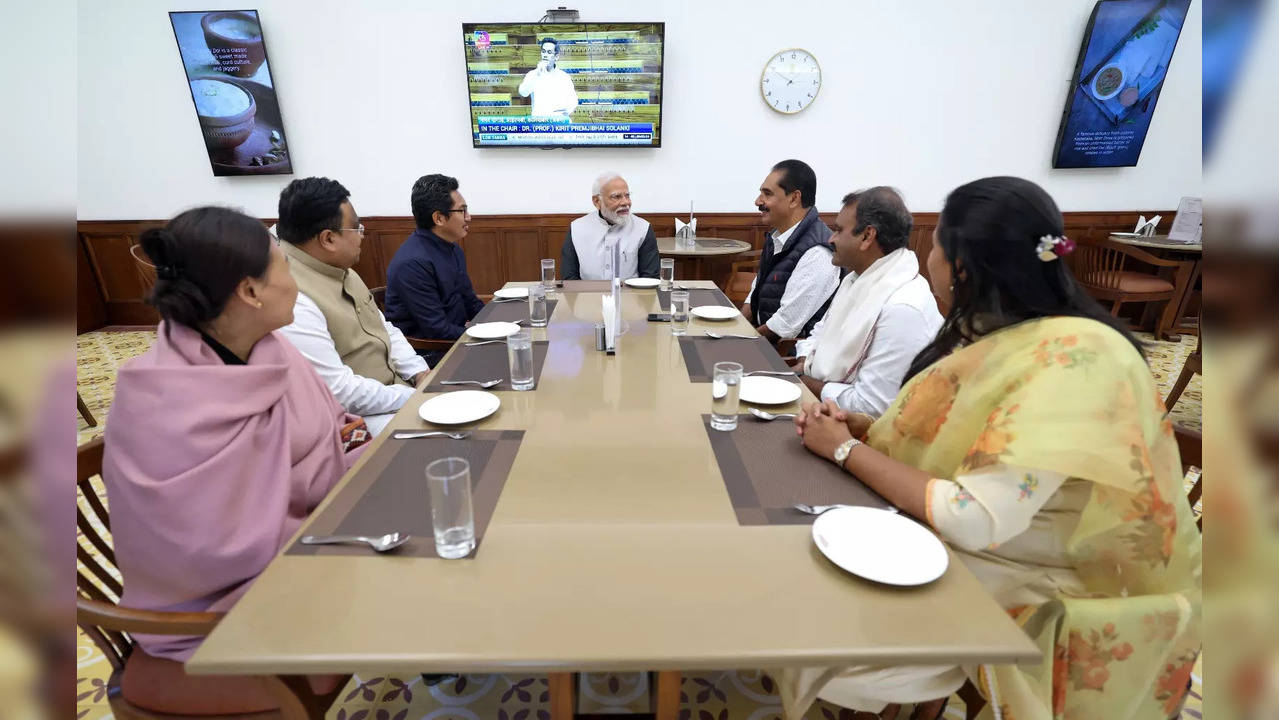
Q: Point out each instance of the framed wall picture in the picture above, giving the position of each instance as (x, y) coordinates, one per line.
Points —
(229, 79)
(1120, 71)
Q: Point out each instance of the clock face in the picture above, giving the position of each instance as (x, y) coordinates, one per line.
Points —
(790, 81)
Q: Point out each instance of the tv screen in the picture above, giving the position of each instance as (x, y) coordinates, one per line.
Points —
(564, 84)
(1121, 68)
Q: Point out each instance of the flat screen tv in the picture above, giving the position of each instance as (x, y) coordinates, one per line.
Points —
(564, 84)
(1121, 68)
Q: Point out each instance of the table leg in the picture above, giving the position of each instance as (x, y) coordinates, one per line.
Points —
(1168, 320)
(666, 702)
(563, 692)
(1185, 299)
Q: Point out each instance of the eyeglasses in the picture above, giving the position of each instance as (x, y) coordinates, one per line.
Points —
(464, 210)
(359, 229)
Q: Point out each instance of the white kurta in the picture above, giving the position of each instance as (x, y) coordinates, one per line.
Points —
(552, 90)
(593, 240)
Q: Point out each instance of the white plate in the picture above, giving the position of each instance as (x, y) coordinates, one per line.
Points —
(765, 390)
(515, 292)
(1123, 82)
(715, 312)
(643, 282)
(880, 545)
(460, 406)
(492, 330)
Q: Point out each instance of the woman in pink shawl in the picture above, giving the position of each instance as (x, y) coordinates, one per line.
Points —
(221, 438)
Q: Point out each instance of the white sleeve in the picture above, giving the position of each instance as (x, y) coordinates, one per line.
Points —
(813, 281)
(751, 293)
(901, 332)
(993, 505)
(309, 332)
(526, 85)
(805, 347)
(404, 359)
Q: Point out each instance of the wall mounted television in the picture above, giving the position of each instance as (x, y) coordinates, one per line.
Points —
(564, 85)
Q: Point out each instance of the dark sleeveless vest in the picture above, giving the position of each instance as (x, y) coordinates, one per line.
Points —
(776, 269)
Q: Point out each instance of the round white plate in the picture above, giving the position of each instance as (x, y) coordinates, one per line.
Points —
(492, 330)
(765, 390)
(880, 545)
(715, 312)
(1123, 82)
(516, 292)
(460, 406)
(643, 282)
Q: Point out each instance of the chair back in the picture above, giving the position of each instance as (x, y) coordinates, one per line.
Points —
(1098, 264)
(1190, 445)
(743, 271)
(144, 266)
(99, 583)
(379, 297)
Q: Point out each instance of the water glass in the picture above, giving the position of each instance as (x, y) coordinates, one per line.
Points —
(548, 273)
(519, 350)
(667, 276)
(725, 386)
(537, 306)
(679, 312)
(449, 482)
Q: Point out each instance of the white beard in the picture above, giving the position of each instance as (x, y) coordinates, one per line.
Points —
(619, 220)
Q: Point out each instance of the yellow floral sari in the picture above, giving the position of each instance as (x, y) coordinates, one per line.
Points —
(1069, 396)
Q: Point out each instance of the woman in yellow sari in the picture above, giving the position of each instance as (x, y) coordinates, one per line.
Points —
(1031, 437)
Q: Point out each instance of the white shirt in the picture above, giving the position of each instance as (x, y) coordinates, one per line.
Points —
(360, 395)
(812, 282)
(908, 322)
(552, 90)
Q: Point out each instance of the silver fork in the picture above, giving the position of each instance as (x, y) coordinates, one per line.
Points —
(411, 434)
(721, 336)
(819, 509)
(768, 372)
(480, 383)
(485, 342)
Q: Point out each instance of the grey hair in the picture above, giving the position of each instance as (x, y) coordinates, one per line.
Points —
(602, 180)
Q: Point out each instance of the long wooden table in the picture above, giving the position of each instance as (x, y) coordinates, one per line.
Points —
(613, 547)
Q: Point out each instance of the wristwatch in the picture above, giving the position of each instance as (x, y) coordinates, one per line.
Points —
(841, 452)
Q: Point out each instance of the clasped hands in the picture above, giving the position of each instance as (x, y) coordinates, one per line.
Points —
(824, 426)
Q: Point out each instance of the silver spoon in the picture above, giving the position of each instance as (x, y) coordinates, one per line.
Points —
(502, 300)
(768, 372)
(718, 336)
(485, 342)
(768, 416)
(819, 509)
(410, 434)
(480, 383)
(383, 543)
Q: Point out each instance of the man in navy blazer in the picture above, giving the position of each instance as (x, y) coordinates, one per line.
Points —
(428, 291)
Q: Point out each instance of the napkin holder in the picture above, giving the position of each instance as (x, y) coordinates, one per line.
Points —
(686, 232)
(1146, 228)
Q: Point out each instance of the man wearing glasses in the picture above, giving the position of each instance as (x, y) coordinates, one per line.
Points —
(365, 361)
(428, 292)
(587, 253)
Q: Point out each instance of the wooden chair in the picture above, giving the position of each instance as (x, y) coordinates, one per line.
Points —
(740, 276)
(1190, 443)
(144, 266)
(109, 625)
(379, 297)
(1194, 364)
(83, 407)
(1099, 265)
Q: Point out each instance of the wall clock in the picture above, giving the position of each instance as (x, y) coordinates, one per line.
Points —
(790, 81)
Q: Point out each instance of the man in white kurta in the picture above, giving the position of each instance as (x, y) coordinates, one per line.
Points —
(882, 315)
(552, 88)
(588, 247)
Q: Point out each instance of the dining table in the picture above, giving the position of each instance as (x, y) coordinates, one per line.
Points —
(617, 531)
(1165, 247)
(704, 258)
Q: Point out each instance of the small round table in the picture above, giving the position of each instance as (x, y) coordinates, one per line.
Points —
(1173, 250)
(708, 259)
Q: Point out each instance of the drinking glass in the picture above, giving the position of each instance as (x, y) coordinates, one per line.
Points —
(537, 306)
(449, 482)
(548, 273)
(679, 312)
(725, 386)
(667, 276)
(519, 350)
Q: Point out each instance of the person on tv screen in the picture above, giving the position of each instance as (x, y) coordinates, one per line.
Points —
(551, 87)
(588, 246)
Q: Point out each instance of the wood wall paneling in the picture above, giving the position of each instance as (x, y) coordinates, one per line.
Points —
(499, 249)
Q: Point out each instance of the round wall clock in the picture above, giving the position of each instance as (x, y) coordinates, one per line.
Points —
(790, 81)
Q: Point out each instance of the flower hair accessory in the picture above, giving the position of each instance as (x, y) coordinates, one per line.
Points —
(1052, 247)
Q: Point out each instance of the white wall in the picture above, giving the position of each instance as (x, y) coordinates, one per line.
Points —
(921, 94)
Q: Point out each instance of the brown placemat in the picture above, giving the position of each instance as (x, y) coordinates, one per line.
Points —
(586, 286)
(510, 311)
(483, 362)
(701, 354)
(766, 470)
(389, 493)
(696, 296)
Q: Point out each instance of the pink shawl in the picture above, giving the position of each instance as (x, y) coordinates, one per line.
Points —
(210, 468)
